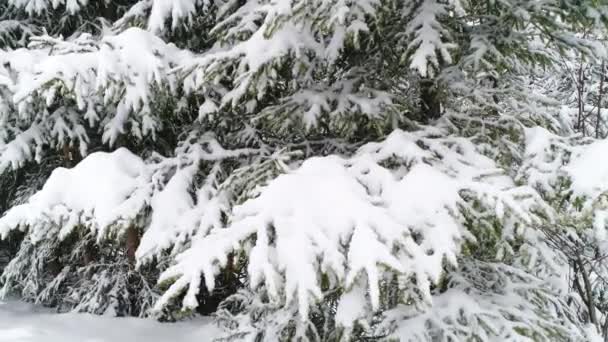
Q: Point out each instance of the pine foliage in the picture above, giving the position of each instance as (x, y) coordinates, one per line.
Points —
(310, 170)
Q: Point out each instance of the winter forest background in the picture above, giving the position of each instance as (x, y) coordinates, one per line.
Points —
(310, 170)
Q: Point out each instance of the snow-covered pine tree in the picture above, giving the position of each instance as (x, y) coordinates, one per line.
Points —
(304, 170)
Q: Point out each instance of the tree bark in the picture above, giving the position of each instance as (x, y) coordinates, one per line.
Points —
(90, 254)
(429, 97)
(581, 108)
(132, 243)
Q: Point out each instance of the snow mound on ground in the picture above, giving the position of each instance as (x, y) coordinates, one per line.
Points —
(21, 322)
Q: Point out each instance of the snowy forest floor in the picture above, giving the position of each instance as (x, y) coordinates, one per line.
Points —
(21, 322)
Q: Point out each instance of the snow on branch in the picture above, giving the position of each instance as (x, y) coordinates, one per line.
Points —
(109, 80)
(103, 190)
(394, 208)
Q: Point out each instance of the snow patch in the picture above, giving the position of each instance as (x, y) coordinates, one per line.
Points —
(21, 322)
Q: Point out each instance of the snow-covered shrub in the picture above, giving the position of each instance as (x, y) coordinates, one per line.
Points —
(407, 189)
(305, 170)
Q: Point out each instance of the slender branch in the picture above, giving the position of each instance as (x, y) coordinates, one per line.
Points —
(599, 102)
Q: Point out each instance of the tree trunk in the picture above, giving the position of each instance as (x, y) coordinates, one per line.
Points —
(429, 98)
(581, 108)
(90, 253)
(132, 243)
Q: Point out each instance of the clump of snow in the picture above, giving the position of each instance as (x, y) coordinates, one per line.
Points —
(428, 47)
(352, 306)
(588, 170)
(99, 192)
(300, 217)
(541, 167)
(175, 9)
(548, 157)
(168, 209)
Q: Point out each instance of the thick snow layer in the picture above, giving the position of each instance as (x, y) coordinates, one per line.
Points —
(427, 45)
(548, 157)
(333, 208)
(100, 191)
(589, 170)
(354, 220)
(21, 322)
